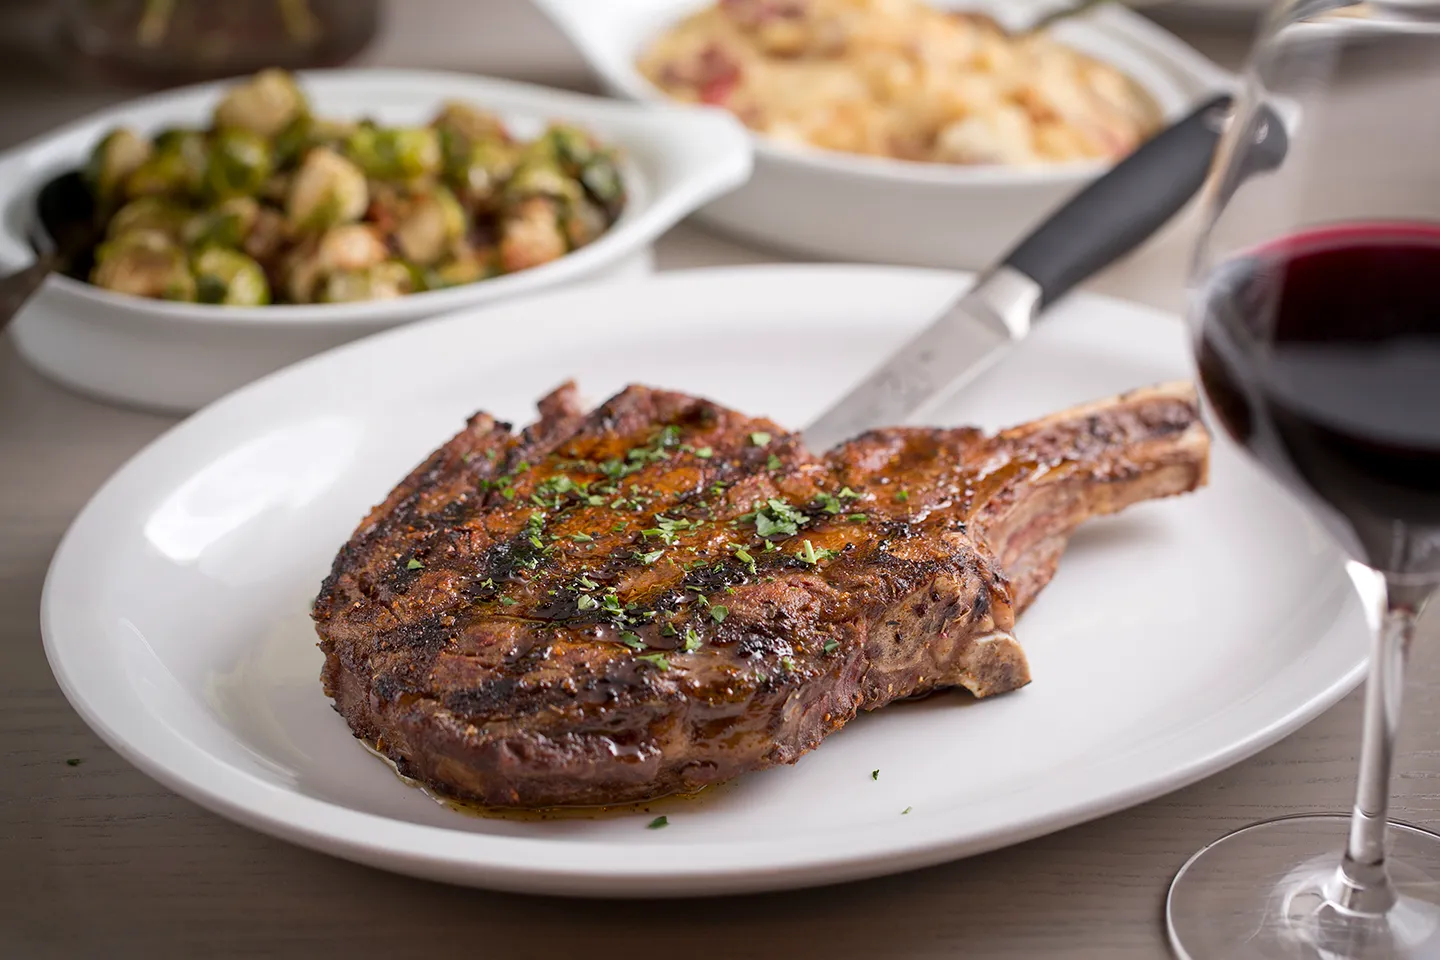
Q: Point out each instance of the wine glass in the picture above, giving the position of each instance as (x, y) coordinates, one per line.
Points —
(1316, 310)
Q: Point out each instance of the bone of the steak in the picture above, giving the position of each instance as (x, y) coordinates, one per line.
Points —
(594, 610)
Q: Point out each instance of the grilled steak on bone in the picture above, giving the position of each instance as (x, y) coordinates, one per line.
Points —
(664, 593)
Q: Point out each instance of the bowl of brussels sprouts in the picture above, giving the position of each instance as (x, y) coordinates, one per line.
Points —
(242, 226)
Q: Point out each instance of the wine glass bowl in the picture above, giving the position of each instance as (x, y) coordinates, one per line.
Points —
(1316, 312)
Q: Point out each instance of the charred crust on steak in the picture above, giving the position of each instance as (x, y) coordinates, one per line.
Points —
(663, 593)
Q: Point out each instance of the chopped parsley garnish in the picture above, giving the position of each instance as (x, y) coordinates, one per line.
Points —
(617, 528)
(874, 774)
(657, 823)
(744, 557)
(787, 664)
(808, 554)
(828, 502)
(632, 640)
(650, 557)
(508, 602)
(611, 603)
(760, 438)
(705, 453)
(777, 517)
(414, 564)
(773, 463)
(902, 496)
(581, 537)
(656, 660)
(832, 645)
(667, 529)
(585, 583)
(488, 583)
(587, 602)
(906, 810)
(719, 612)
(692, 640)
(857, 518)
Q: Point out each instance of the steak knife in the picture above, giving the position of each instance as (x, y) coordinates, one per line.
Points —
(1103, 222)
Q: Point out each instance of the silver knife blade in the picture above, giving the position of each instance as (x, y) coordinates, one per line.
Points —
(970, 336)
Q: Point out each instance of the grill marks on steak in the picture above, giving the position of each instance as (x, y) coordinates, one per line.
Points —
(586, 612)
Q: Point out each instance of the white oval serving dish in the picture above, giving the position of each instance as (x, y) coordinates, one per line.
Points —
(846, 207)
(180, 356)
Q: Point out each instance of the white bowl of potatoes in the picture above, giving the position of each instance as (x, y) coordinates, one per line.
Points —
(244, 225)
(898, 131)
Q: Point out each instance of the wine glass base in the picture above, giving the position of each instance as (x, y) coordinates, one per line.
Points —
(1258, 893)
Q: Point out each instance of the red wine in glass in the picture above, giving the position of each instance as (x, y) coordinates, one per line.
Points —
(1320, 353)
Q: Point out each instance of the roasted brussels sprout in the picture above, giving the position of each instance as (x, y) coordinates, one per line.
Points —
(306, 132)
(159, 214)
(384, 281)
(112, 162)
(225, 225)
(602, 182)
(239, 164)
(325, 191)
(229, 277)
(395, 153)
(176, 166)
(144, 263)
(480, 174)
(531, 234)
(468, 267)
(469, 122)
(349, 248)
(537, 176)
(430, 226)
(263, 105)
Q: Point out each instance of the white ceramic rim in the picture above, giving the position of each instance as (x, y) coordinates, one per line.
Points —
(1173, 73)
(727, 164)
(517, 863)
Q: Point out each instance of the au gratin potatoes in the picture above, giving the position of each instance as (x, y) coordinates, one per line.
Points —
(900, 79)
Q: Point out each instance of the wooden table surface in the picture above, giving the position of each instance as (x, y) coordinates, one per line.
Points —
(98, 861)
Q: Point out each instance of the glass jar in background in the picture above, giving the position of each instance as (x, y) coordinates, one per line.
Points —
(170, 42)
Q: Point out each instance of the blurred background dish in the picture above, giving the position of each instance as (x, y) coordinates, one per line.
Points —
(179, 356)
(843, 206)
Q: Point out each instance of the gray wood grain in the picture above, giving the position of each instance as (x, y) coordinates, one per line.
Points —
(98, 861)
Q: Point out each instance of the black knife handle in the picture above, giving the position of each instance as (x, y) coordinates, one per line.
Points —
(1117, 212)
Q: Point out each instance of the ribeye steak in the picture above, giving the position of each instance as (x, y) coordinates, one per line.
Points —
(663, 593)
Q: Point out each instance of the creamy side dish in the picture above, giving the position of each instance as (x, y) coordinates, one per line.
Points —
(898, 78)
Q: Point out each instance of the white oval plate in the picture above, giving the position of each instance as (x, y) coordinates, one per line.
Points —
(1176, 639)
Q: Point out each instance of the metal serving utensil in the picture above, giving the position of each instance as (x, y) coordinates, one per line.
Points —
(63, 232)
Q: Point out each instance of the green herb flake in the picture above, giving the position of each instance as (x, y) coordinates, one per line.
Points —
(632, 640)
(743, 555)
(73, 762)
(773, 463)
(617, 528)
(906, 810)
(705, 453)
(808, 554)
(719, 612)
(585, 583)
(414, 564)
(692, 640)
(658, 823)
(874, 774)
(581, 537)
(831, 646)
(587, 602)
(656, 660)
(778, 517)
(668, 630)
(857, 518)
(508, 602)
(760, 438)
(650, 557)
(902, 496)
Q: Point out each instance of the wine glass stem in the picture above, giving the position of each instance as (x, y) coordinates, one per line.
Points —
(1362, 884)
